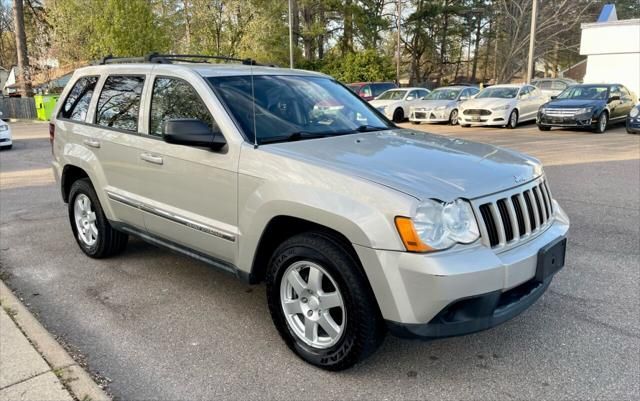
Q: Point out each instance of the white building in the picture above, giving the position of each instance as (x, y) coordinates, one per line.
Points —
(612, 48)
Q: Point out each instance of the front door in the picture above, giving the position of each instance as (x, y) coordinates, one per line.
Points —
(190, 192)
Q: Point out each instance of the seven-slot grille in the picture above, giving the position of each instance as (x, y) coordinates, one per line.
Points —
(507, 218)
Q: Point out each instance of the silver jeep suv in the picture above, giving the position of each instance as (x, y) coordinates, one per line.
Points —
(358, 227)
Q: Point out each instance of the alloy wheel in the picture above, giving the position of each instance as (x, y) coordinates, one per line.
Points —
(453, 119)
(85, 219)
(313, 305)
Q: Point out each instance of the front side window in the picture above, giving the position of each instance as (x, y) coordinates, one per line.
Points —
(119, 102)
(294, 107)
(76, 105)
(498, 92)
(173, 99)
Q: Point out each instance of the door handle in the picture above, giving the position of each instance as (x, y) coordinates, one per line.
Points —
(148, 157)
(92, 142)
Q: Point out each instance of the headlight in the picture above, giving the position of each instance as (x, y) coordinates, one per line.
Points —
(543, 110)
(441, 108)
(504, 107)
(438, 225)
(4, 127)
(584, 110)
(634, 112)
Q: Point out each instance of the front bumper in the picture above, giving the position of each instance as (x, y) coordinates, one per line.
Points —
(458, 291)
(5, 138)
(633, 125)
(584, 121)
(500, 117)
(430, 116)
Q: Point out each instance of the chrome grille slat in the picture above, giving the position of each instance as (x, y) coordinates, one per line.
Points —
(510, 217)
(560, 112)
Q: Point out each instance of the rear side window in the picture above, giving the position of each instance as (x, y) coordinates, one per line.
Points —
(546, 85)
(558, 85)
(174, 98)
(76, 105)
(119, 102)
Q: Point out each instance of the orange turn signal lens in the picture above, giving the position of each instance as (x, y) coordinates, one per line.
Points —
(409, 236)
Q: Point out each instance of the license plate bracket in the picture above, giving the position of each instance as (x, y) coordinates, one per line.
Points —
(551, 259)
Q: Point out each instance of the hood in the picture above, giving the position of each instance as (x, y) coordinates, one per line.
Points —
(419, 164)
(432, 104)
(486, 103)
(574, 103)
(380, 103)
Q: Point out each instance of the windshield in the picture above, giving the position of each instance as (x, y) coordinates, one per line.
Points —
(294, 107)
(585, 92)
(504, 93)
(443, 94)
(392, 95)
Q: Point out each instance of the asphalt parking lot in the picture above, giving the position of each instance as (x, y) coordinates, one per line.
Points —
(162, 326)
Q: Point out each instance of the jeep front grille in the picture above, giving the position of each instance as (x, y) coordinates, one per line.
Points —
(512, 216)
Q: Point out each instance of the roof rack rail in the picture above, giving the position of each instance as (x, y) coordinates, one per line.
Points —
(169, 58)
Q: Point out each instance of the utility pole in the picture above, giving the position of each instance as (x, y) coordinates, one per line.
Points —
(290, 36)
(24, 78)
(532, 40)
(399, 54)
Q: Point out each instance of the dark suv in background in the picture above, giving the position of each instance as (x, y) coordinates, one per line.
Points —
(371, 90)
(591, 106)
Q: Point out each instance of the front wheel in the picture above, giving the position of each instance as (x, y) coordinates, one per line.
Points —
(398, 115)
(513, 119)
(321, 302)
(90, 227)
(453, 117)
(601, 126)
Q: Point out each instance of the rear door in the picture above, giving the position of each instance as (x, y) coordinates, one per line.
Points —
(190, 193)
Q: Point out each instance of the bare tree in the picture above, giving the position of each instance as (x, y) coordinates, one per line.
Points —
(24, 78)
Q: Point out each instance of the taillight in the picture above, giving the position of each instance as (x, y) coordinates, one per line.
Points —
(52, 134)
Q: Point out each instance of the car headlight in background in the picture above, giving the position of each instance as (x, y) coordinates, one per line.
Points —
(438, 225)
(634, 112)
(543, 110)
(500, 108)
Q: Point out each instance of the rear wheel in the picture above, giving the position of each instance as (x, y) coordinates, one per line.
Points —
(398, 115)
(513, 119)
(90, 227)
(321, 303)
(453, 117)
(601, 125)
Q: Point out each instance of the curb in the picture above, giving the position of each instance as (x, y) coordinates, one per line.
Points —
(76, 379)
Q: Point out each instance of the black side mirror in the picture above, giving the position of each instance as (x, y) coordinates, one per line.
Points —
(554, 97)
(192, 132)
(614, 98)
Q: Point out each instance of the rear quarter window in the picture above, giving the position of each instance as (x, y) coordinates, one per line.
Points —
(76, 105)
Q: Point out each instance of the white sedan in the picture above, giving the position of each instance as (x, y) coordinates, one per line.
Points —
(5, 135)
(502, 105)
(441, 105)
(395, 103)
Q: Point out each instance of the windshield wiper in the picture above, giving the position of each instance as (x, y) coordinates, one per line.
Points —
(294, 136)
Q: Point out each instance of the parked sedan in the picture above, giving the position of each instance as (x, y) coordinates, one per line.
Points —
(552, 86)
(633, 120)
(592, 106)
(441, 105)
(395, 103)
(5, 135)
(502, 105)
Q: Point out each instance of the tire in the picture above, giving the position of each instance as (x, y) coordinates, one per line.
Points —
(8, 147)
(415, 122)
(601, 126)
(453, 117)
(465, 125)
(544, 128)
(398, 115)
(513, 119)
(101, 240)
(362, 328)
